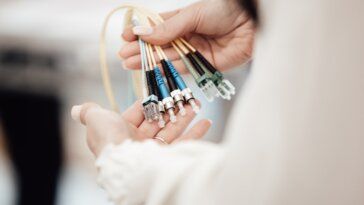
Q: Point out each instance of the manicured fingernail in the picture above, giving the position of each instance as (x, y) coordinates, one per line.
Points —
(76, 112)
(142, 30)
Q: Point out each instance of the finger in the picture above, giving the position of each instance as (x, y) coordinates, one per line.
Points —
(78, 112)
(197, 131)
(179, 65)
(128, 34)
(150, 129)
(134, 114)
(132, 48)
(174, 130)
(134, 63)
(178, 25)
(169, 14)
(129, 49)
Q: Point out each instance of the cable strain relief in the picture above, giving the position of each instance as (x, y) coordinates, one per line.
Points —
(205, 62)
(195, 64)
(149, 82)
(154, 84)
(170, 80)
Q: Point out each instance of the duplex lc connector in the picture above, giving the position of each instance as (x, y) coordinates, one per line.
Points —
(204, 80)
(224, 86)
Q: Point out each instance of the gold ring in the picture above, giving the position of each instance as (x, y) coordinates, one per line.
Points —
(160, 139)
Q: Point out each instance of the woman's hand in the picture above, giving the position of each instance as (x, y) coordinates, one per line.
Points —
(105, 127)
(219, 29)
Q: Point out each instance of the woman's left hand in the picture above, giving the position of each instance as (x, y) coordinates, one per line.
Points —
(105, 126)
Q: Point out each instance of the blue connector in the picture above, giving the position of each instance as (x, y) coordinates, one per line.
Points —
(166, 98)
(186, 92)
(177, 78)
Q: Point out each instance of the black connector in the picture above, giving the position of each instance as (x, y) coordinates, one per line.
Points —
(149, 82)
(205, 62)
(155, 87)
(170, 80)
(152, 83)
(195, 64)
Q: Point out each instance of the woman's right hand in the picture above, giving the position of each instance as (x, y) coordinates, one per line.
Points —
(219, 29)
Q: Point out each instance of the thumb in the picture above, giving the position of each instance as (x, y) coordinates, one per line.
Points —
(79, 112)
(176, 26)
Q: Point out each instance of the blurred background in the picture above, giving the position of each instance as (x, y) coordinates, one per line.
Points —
(49, 62)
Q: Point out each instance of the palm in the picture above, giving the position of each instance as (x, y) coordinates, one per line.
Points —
(105, 127)
(141, 129)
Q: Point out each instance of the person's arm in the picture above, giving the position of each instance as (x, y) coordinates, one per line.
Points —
(135, 172)
(148, 173)
(297, 139)
(135, 167)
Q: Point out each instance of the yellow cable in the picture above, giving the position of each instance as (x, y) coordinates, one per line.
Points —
(177, 49)
(152, 55)
(159, 54)
(102, 54)
(187, 44)
(143, 14)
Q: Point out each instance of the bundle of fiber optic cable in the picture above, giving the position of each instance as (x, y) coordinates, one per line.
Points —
(166, 94)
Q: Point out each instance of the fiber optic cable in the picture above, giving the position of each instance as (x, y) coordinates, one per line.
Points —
(224, 86)
(167, 99)
(172, 73)
(150, 102)
(175, 92)
(157, 98)
(203, 80)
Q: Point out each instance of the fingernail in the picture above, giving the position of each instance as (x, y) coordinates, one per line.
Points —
(142, 30)
(76, 112)
(210, 121)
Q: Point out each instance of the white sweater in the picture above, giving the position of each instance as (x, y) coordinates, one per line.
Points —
(295, 137)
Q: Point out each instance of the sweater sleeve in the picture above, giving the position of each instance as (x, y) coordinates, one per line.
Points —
(149, 173)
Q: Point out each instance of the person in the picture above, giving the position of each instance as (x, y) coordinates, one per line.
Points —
(295, 136)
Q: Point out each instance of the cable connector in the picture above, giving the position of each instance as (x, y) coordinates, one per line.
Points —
(150, 108)
(173, 85)
(224, 86)
(208, 88)
(167, 99)
(169, 106)
(161, 122)
(178, 99)
(187, 94)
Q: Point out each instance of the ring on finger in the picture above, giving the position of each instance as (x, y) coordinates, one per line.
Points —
(161, 139)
